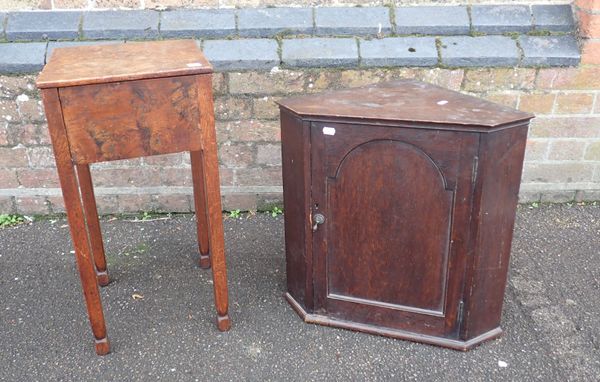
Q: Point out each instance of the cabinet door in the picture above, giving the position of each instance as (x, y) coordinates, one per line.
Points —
(396, 203)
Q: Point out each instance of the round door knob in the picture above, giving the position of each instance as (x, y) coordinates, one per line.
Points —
(318, 219)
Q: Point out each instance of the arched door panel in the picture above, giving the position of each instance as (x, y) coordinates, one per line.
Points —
(389, 221)
(387, 253)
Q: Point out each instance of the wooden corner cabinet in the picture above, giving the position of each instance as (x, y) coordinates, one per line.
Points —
(400, 202)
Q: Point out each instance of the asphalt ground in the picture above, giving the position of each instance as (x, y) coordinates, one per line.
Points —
(551, 315)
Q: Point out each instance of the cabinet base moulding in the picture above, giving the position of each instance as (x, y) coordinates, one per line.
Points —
(318, 319)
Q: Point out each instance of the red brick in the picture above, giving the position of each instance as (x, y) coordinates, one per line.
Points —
(552, 196)
(56, 204)
(566, 150)
(222, 129)
(266, 108)
(8, 178)
(70, 4)
(8, 111)
(171, 203)
(44, 4)
(270, 176)
(269, 154)
(506, 99)
(529, 196)
(236, 155)
(592, 152)
(587, 4)
(162, 4)
(44, 135)
(126, 177)
(41, 157)
(537, 102)
(6, 205)
(254, 131)
(574, 103)
(28, 135)
(590, 52)
(480, 80)
(135, 202)
(39, 177)
(219, 83)
(230, 108)
(322, 80)
(33, 205)
(279, 82)
(580, 78)
(568, 127)
(267, 200)
(226, 176)
(175, 176)
(449, 79)
(557, 172)
(4, 134)
(11, 86)
(589, 24)
(239, 201)
(123, 163)
(105, 4)
(30, 110)
(358, 77)
(107, 204)
(165, 160)
(13, 157)
(536, 149)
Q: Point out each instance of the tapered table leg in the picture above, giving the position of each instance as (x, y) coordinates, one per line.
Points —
(200, 206)
(210, 166)
(92, 222)
(73, 206)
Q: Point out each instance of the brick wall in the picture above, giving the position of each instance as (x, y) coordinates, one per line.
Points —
(562, 160)
(563, 152)
(162, 4)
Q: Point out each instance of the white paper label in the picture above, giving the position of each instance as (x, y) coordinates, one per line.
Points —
(194, 65)
(329, 130)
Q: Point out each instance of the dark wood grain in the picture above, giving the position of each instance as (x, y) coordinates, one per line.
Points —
(75, 215)
(406, 101)
(389, 200)
(499, 175)
(382, 184)
(296, 199)
(93, 64)
(131, 119)
(419, 209)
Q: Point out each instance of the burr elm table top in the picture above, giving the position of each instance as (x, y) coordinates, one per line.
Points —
(86, 65)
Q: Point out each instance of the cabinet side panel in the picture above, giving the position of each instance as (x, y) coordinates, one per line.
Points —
(295, 161)
(499, 174)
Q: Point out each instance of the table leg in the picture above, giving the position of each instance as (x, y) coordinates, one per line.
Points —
(210, 167)
(200, 206)
(73, 206)
(93, 224)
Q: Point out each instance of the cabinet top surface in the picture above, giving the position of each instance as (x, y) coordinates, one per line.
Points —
(405, 101)
(94, 64)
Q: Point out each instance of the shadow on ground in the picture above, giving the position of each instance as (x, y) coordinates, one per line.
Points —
(551, 314)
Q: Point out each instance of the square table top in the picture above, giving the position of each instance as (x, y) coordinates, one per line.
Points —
(96, 64)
